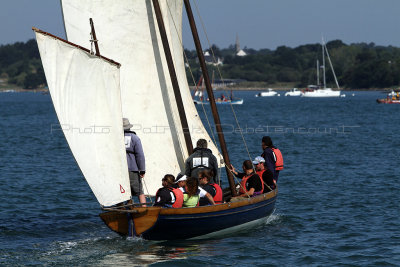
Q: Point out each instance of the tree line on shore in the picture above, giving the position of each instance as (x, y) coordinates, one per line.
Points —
(357, 66)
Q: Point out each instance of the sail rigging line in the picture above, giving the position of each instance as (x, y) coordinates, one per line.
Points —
(210, 93)
(223, 82)
(330, 63)
(147, 190)
(193, 79)
(214, 140)
(173, 76)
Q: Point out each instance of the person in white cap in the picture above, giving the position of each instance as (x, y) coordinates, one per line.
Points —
(265, 174)
(136, 161)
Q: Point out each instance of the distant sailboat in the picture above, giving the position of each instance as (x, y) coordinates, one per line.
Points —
(315, 91)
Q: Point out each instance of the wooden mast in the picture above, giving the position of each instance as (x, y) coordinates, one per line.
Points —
(173, 76)
(211, 97)
(96, 45)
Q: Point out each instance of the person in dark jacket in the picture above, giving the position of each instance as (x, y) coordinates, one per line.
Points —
(268, 155)
(136, 161)
(201, 159)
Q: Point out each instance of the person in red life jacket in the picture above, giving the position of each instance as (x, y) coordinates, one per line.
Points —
(251, 184)
(273, 157)
(213, 189)
(266, 175)
(168, 196)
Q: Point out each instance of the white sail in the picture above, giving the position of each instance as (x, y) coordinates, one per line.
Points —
(86, 96)
(127, 32)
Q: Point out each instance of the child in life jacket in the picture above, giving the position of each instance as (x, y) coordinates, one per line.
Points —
(168, 196)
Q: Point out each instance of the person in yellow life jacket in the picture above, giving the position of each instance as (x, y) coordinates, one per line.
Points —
(181, 185)
(191, 195)
(251, 184)
(265, 175)
(168, 196)
(212, 188)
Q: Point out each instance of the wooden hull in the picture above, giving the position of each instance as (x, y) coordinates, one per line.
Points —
(154, 223)
(388, 101)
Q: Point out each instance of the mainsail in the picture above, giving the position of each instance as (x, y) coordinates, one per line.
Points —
(86, 96)
(127, 32)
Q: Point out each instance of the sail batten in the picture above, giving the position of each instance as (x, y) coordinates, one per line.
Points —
(86, 97)
(127, 32)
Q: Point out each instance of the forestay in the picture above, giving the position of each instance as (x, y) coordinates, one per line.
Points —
(86, 96)
(128, 33)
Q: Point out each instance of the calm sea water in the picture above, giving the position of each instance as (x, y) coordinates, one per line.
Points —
(338, 200)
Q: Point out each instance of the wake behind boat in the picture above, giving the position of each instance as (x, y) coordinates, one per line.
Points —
(89, 89)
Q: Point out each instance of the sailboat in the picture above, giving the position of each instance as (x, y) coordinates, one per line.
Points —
(315, 91)
(91, 93)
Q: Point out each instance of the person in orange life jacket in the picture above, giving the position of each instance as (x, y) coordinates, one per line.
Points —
(251, 183)
(213, 189)
(201, 159)
(136, 161)
(268, 179)
(273, 157)
(181, 181)
(168, 196)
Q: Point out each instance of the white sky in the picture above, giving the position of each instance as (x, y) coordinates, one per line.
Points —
(259, 23)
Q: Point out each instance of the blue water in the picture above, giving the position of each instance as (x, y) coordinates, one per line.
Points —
(338, 203)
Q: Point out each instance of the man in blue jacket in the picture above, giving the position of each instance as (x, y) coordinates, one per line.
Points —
(136, 161)
(268, 155)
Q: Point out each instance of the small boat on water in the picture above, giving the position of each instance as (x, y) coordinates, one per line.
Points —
(93, 92)
(270, 92)
(392, 98)
(314, 91)
(221, 102)
(200, 99)
(387, 101)
(294, 92)
(318, 91)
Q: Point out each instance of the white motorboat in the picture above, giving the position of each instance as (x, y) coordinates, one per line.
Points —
(294, 92)
(269, 93)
